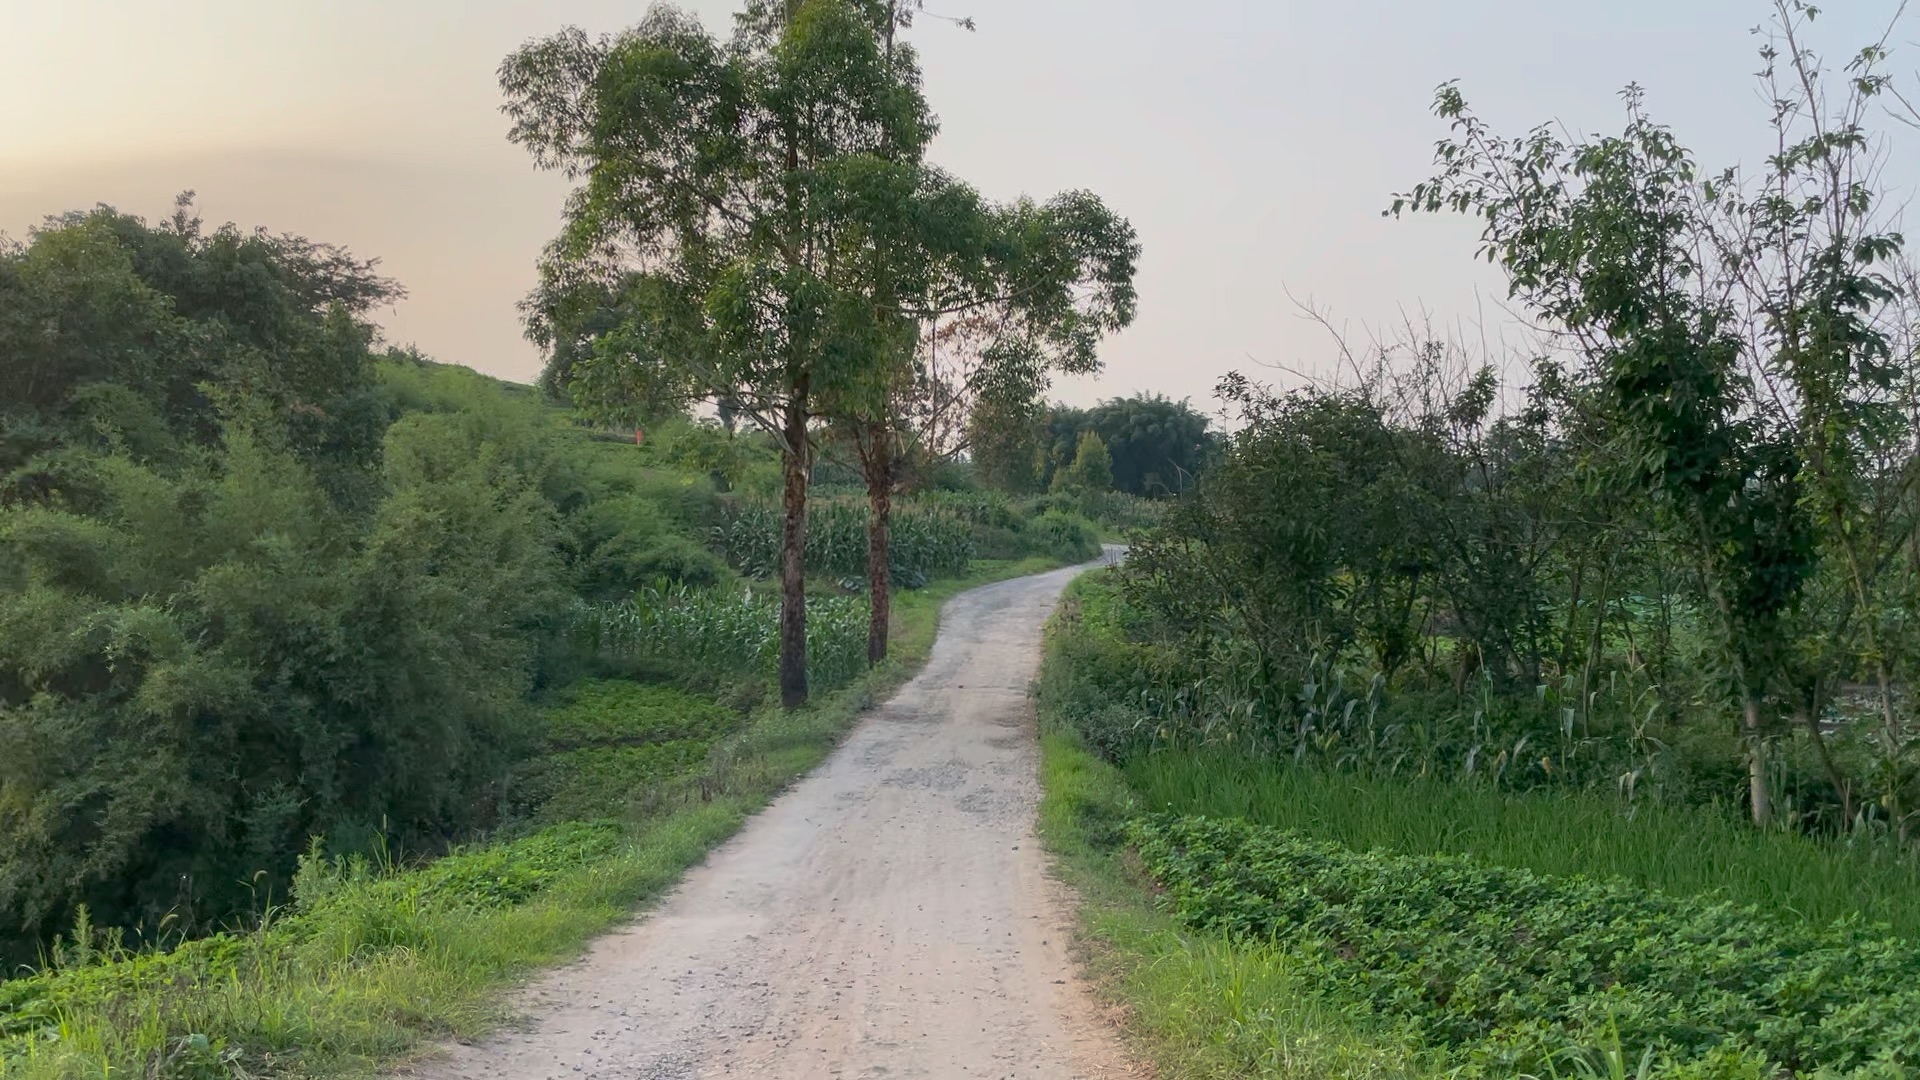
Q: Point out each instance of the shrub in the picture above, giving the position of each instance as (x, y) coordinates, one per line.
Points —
(1067, 537)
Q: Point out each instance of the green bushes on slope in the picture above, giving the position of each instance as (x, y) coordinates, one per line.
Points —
(260, 582)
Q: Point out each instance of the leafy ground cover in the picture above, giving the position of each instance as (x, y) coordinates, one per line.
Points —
(616, 712)
(1685, 852)
(1505, 968)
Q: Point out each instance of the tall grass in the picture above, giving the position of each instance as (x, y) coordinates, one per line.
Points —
(1688, 851)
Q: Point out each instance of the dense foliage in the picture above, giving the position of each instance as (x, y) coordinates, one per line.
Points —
(1508, 969)
(1675, 560)
(1152, 446)
(260, 581)
(925, 542)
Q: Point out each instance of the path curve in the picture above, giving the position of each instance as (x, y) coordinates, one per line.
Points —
(890, 916)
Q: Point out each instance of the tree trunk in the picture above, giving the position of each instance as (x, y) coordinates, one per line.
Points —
(1759, 799)
(879, 557)
(1809, 714)
(793, 566)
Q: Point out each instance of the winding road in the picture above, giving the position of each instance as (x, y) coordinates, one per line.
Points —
(890, 916)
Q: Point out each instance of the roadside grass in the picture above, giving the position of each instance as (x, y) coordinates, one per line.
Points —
(389, 962)
(1197, 1005)
(1682, 851)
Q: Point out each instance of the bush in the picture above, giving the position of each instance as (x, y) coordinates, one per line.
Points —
(1108, 690)
(1504, 968)
(1119, 510)
(1069, 538)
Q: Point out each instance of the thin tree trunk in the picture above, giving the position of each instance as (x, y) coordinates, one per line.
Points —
(1759, 797)
(879, 561)
(1810, 716)
(793, 567)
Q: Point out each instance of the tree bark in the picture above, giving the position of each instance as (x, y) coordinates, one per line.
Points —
(1759, 797)
(793, 567)
(879, 524)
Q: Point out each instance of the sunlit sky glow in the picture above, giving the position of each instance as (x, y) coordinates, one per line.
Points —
(1252, 142)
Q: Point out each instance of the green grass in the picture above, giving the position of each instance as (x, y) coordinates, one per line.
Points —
(602, 712)
(1198, 1005)
(1204, 1005)
(1682, 851)
(387, 964)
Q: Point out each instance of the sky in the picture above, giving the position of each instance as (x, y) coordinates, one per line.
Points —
(1252, 143)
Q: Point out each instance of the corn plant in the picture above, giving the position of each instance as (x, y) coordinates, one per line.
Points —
(685, 630)
(927, 542)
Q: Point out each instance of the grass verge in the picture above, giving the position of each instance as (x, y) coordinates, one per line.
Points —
(1199, 1006)
(373, 965)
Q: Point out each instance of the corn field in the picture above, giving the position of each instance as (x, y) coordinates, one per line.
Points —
(926, 542)
(683, 629)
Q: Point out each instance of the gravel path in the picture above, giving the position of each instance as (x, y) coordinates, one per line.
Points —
(890, 916)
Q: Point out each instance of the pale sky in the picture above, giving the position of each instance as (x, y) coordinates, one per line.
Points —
(1251, 142)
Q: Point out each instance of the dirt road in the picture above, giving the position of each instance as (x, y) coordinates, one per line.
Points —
(890, 916)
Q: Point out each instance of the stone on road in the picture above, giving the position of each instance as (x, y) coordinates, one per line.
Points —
(891, 915)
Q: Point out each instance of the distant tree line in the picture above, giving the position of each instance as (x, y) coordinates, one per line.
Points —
(1146, 445)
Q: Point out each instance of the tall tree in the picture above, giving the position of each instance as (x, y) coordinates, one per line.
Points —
(1158, 445)
(1005, 443)
(1023, 291)
(730, 194)
(1740, 333)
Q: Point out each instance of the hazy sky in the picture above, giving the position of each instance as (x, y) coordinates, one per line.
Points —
(1252, 142)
